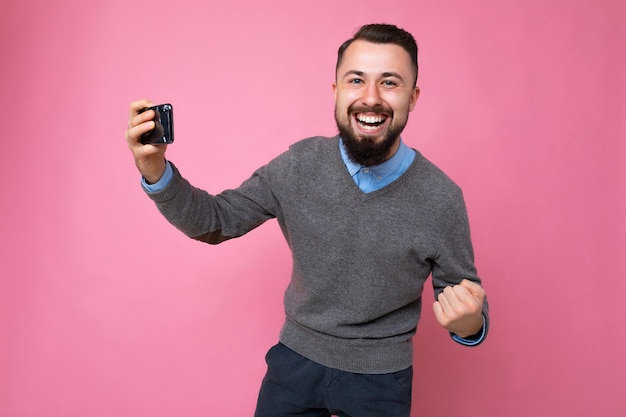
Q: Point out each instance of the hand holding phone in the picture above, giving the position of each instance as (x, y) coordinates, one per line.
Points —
(163, 132)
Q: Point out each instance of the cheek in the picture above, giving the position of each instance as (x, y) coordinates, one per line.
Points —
(401, 104)
(346, 96)
(342, 105)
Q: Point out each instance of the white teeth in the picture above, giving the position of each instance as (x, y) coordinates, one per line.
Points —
(370, 119)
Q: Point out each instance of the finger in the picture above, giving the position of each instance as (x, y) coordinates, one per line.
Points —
(463, 294)
(139, 123)
(444, 313)
(135, 106)
(458, 301)
(141, 118)
(134, 133)
(446, 300)
(470, 285)
(134, 117)
(468, 302)
(473, 287)
(439, 313)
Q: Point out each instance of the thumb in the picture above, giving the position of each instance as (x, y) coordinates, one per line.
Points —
(473, 287)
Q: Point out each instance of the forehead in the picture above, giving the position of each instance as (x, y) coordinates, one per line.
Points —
(375, 58)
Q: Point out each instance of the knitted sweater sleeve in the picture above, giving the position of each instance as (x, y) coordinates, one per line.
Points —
(455, 258)
(216, 218)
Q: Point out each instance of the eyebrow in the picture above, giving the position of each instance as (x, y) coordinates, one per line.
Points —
(384, 74)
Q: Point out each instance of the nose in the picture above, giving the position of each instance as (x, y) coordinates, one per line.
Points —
(371, 95)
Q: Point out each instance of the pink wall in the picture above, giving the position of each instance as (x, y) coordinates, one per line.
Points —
(106, 310)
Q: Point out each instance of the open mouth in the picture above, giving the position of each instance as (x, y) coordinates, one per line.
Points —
(370, 122)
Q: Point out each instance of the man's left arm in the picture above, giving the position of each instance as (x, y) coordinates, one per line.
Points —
(461, 306)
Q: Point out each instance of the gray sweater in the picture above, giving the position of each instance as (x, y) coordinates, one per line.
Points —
(359, 260)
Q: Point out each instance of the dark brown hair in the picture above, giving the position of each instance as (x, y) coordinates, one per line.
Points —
(383, 33)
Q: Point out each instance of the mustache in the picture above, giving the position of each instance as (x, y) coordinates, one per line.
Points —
(379, 109)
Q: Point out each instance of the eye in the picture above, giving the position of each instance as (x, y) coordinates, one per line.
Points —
(389, 83)
(356, 81)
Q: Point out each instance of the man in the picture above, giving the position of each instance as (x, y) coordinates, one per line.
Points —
(367, 219)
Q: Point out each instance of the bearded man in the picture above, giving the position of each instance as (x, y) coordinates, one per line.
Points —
(367, 219)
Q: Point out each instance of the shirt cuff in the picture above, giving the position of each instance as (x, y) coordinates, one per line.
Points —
(474, 340)
(162, 183)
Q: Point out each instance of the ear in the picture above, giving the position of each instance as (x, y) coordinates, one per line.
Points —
(413, 99)
(335, 90)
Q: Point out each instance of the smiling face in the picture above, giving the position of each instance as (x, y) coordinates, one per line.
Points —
(374, 93)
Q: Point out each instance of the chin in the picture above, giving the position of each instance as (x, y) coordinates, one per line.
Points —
(368, 151)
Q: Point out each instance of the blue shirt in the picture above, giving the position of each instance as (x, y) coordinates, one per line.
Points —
(367, 178)
(375, 177)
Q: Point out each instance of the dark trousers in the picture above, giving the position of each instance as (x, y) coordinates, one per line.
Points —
(296, 386)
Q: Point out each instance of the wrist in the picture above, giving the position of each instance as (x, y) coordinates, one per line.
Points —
(153, 173)
(470, 329)
(162, 183)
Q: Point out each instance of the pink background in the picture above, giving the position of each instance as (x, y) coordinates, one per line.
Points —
(106, 310)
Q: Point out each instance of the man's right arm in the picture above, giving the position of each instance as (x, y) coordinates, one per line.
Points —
(198, 214)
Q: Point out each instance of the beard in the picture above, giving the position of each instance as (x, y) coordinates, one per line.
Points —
(368, 151)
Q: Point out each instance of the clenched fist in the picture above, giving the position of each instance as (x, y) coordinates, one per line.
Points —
(459, 308)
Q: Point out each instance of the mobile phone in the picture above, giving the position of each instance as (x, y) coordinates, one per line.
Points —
(163, 132)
